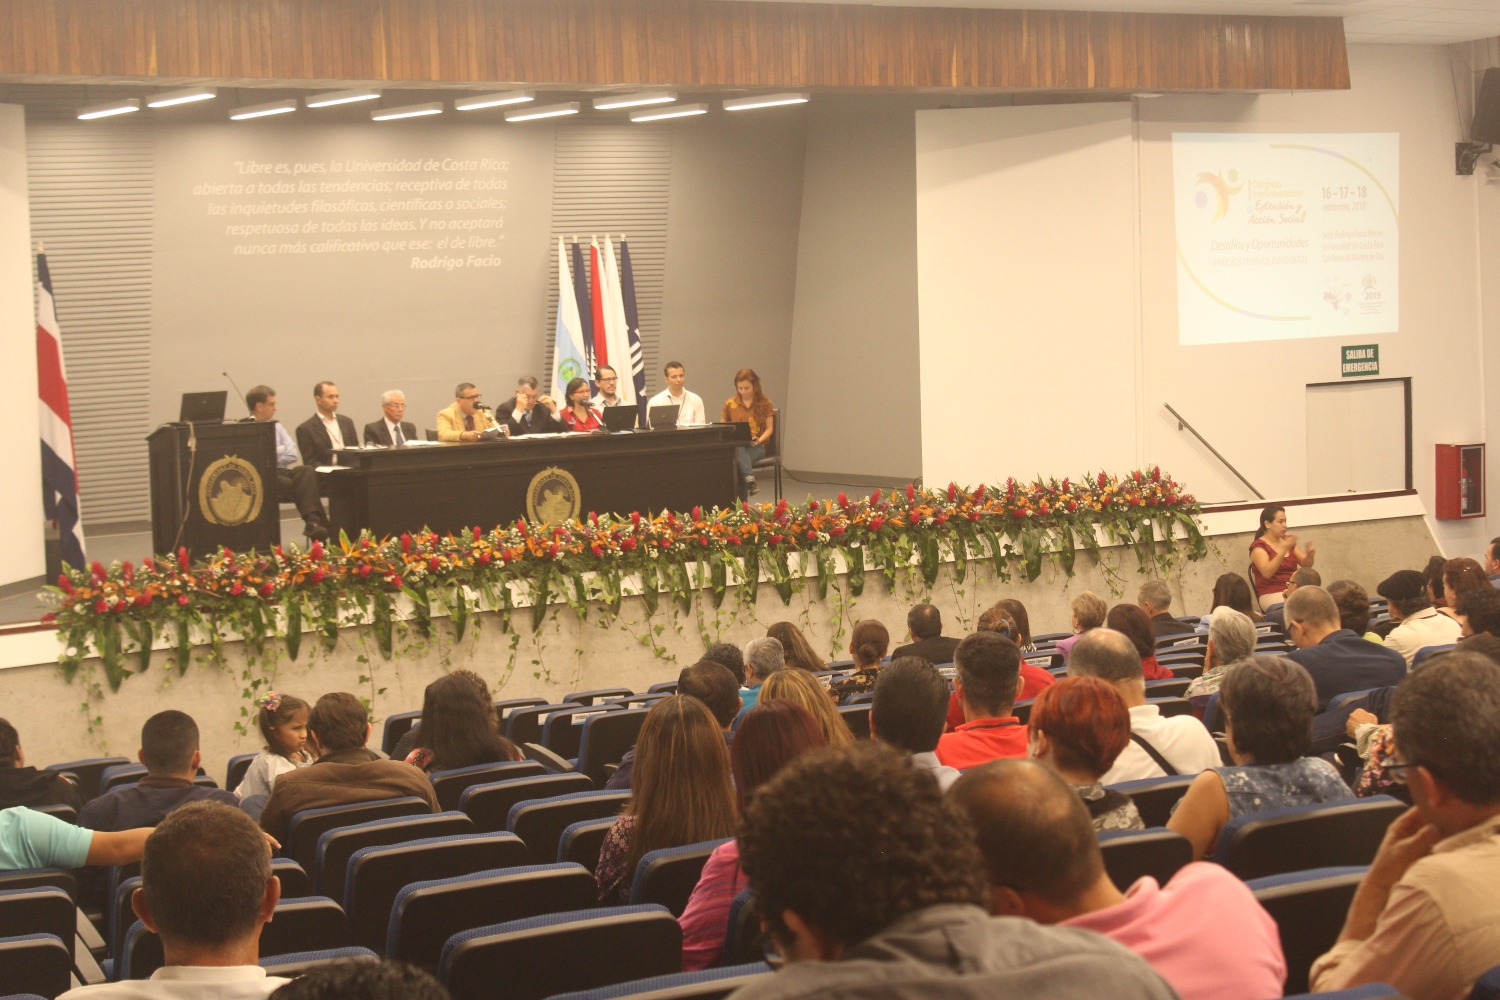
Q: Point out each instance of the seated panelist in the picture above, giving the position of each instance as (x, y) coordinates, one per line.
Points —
(528, 412)
(295, 483)
(579, 415)
(391, 430)
(466, 419)
(327, 430)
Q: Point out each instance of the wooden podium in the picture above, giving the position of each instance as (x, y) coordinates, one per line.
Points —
(213, 485)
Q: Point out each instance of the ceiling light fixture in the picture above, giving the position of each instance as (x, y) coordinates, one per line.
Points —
(546, 111)
(261, 110)
(633, 100)
(493, 100)
(329, 98)
(407, 111)
(187, 96)
(680, 111)
(111, 108)
(763, 101)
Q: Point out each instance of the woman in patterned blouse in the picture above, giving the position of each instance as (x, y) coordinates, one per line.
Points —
(1078, 727)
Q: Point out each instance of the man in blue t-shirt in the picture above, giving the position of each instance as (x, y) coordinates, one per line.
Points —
(169, 749)
(31, 839)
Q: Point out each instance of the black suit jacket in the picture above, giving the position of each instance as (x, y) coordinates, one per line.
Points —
(315, 444)
(377, 434)
(542, 420)
(1165, 624)
(935, 650)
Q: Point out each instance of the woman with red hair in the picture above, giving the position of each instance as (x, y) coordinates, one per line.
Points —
(1078, 727)
(1131, 620)
(750, 406)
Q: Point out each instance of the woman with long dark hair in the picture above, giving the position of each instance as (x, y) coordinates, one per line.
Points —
(459, 727)
(1275, 556)
(798, 652)
(750, 406)
(577, 414)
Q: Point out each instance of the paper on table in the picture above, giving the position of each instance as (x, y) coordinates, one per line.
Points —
(333, 468)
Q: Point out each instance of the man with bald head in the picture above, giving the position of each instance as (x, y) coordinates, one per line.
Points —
(1159, 746)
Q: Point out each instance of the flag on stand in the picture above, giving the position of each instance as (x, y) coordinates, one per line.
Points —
(596, 309)
(59, 464)
(585, 325)
(568, 360)
(633, 330)
(614, 325)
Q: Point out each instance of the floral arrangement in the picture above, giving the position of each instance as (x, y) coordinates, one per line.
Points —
(118, 612)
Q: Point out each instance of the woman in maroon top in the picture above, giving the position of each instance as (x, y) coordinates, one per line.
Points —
(579, 415)
(1275, 556)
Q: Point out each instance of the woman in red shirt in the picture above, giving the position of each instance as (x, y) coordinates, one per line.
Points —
(1275, 556)
(579, 415)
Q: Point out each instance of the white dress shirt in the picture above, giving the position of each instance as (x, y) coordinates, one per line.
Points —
(188, 982)
(692, 412)
(1428, 627)
(599, 402)
(398, 436)
(1182, 739)
(335, 433)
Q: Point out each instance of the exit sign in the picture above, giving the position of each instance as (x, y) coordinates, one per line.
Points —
(1360, 359)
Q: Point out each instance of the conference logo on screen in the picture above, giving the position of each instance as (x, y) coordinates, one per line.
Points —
(1221, 189)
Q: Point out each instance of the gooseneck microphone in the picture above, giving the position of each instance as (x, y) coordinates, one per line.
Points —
(237, 392)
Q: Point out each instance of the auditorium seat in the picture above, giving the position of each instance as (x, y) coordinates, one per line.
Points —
(772, 458)
(553, 763)
(607, 738)
(235, 772)
(39, 910)
(1038, 640)
(1170, 707)
(1156, 851)
(540, 822)
(1174, 688)
(1297, 838)
(426, 914)
(638, 700)
(308, 825)
(539, 957)
(1340, 700)
(1487, 986)
(1182, 642)
(312, 923)
(665, 687)
(1309, 908)
(1369, 991)
(1022, 710)
(597, 695)
(858, 719)
(338, 845)
(744, 941)
(295, 963)
(669, 875)
(295, 881)
(1155, 797)
(450, 784)
(38, 964)
(119, 776)
(581, 841)
(121, 914)
(505, 706)
(524, 725)
(1186, 671)
(705, 984)
(489, 805)
(376, 875)
(88, 772)
(562, 730)
(1426, 651)
(397, 725)
(860, 698)
(66, 813)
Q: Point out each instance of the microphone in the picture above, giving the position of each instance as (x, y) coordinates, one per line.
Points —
(482, 406)
(238, 393)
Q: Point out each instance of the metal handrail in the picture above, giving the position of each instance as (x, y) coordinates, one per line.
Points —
(1182, 423)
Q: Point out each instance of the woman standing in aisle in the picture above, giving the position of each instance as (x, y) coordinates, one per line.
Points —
(750, 405)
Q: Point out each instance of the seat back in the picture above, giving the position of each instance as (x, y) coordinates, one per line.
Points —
(293, 964)
(1309, 909)
(542, 956)
(42, 910)
(505, 706)
(1426, 651)
(489, 805)
(606, 738)
(540, 822)
(119, 776)
(665, 687)
(38, 964)
(449, 785)
(597, 695)
(581, 841)
(705, 984)
(744, 940)
(312, 923)
(377, 874)
(562, 730)
(668, 876)
(88, 772)
(295, 882)
(1129, 854)
(1155, 797)
(524, 725)
(397, 725)
(1022, 710)
(426, 914)
(639, 700)
(858, 719)
(29, 878)
(1297, 838)
(238, 765)
(121, 915)
(1171, 706)
(1174, 688)
(338, 845)
(310, 824)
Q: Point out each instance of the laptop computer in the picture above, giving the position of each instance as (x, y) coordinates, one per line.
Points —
(663, 418)
(619, 418)
(203, 407)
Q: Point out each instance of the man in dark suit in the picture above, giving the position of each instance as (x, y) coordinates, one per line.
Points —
(925, 623)
(391, 430)
(1338, 659)
(1156, 600)
(321, 433)
(528, 412)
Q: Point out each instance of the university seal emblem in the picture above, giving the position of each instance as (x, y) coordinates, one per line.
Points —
(230, 492)
(553, 496)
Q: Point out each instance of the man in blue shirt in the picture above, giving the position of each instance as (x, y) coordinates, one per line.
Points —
(169, 749)
(763, 657)
(294, 483)
(1338, 659)
(31, 839)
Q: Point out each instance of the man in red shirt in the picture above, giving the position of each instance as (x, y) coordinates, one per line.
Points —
(988, 682)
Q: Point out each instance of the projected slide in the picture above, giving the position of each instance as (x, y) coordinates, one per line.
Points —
(1282, 236)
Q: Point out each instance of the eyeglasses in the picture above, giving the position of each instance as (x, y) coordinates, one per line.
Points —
(466, 399)
(609, 378)
(1397, 771)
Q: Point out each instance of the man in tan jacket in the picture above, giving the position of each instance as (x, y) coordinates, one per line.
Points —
(466, 419)
(345, 772)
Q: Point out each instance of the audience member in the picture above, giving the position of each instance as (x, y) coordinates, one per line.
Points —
(345, 772)
(1159, 745)
(1426, 918)
(988, 681)
(1231, 591)
(1354, 608)
(1077, 728)
(206, 890)
(282, 721)
(908, 712)
(1000, 620)
(774, 733)
(21, 785)
(712, 684)
(1131, 622)
(1432, 577)
(1020, 623)
(1155, 599)
(681, 793)
(1478, 612)
(763, 657)
(1305, 576)
(1418, 623)
(169, 749)
(1492, 562)
(1275, 555)
(867, 644)
(1267, 703)
(363, 981)
(1338, 659)
(1461, 576)
(1231, 638)
(925, 624)
(459, 726)
(871, 886)
(31, 839)
(1044, 863)
(1089, 611)
(804, 689)
(795, 647)
(730, 656)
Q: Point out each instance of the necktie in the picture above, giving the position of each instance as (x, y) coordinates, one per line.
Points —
(468, 422)
(400, 440)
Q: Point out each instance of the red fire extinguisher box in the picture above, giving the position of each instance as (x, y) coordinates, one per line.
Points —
(1460, 481)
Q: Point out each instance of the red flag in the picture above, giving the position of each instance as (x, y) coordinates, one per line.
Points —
(601, 348)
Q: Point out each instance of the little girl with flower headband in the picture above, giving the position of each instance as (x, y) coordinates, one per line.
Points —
(283, 723)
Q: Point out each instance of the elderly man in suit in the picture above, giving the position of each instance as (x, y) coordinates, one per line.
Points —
(466, 419)
(327, 430)
(391, 430)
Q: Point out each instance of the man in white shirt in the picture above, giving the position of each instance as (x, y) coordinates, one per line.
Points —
(206, 889)
(327, 430)
(908, 711)
(1420, 624)
(1158, 745)
(391, 431)
(691, 413)
(295, 483)
(609, 389)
